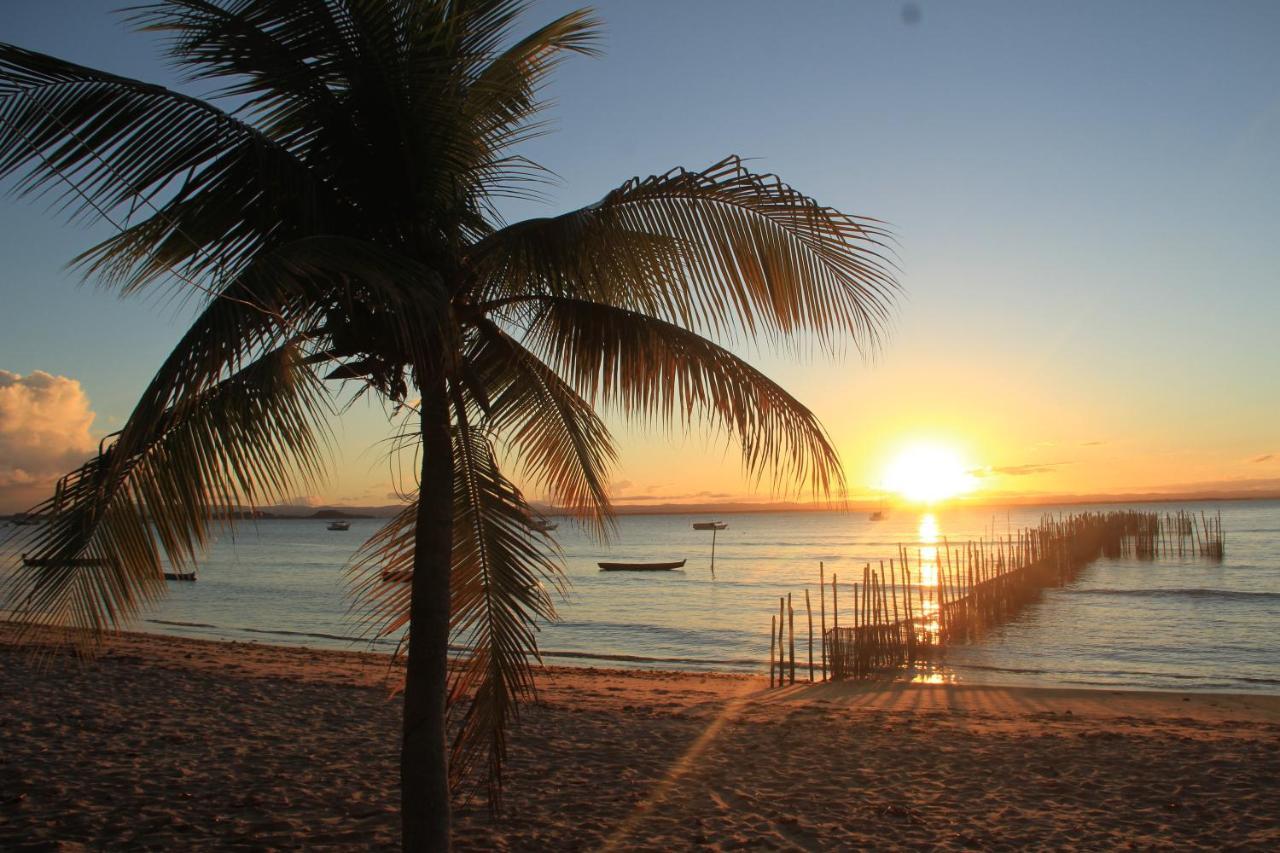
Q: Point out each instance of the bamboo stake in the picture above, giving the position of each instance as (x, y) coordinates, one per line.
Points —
(835, 607)
(782, 649)
(808, 608)
(822, 601)
(773, 630)
(791, 622)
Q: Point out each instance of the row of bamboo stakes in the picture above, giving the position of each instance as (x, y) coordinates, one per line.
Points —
(1181, 534)
(905, 614)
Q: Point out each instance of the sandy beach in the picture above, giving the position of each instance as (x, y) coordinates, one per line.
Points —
(168, 743)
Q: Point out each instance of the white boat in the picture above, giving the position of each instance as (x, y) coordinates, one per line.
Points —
(709, 525)
(339, 525)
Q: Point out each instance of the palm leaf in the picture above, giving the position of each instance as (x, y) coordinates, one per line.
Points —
(502, 568)
(254, 437)
(104, 141)
(720, 251)
(649, 368)
(553, 435)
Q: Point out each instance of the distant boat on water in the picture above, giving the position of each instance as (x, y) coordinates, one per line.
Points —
(709, 525)
(641, 567)
(879, 515)
(541, 525)
(339, 525)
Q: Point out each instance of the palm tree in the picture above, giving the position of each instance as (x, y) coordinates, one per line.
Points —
(337, 219)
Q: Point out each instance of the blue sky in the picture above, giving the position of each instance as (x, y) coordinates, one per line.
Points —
(1085, 196)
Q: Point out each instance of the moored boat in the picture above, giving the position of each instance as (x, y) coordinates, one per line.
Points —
(641, 567)
(92, 563)
(339, 525)
(709, 525)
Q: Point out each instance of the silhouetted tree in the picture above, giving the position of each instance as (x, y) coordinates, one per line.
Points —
(338, 222)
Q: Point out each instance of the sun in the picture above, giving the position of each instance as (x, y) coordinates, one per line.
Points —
(928, 473)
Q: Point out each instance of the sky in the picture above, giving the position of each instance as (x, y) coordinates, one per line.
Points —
(1084, 195)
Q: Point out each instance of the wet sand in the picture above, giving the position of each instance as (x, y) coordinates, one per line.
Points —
(167, 743)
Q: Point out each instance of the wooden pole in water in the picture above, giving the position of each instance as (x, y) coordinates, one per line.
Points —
(782, 649)
(713, 553)
(822, 601)
(773, 638)
(808, 608)
(835, 607)
(791, 622)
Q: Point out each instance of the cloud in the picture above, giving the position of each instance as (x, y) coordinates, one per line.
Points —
(45, 423)
(1266, 457)
(674, 497)
(1017, 470)
(1092, 443)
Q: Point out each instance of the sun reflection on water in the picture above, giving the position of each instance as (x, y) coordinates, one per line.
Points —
(927, 568)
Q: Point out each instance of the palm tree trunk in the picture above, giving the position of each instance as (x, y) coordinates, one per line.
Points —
(424, 757)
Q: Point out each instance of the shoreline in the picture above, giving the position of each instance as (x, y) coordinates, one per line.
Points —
(172, 742)
(631, 663)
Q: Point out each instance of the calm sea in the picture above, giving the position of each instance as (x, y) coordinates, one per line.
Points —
(1187, 624)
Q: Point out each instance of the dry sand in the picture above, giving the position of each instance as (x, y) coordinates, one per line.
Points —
(175, 744)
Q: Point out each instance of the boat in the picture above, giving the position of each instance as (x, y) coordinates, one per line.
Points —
(339, 525)
(878, 515)
(641, 567)
(74, 563)
(93, 563)
(541, 525)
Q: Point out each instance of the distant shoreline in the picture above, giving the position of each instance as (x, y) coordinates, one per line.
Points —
(328, 513)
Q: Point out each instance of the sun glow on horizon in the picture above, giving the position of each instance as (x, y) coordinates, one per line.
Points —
(928, 473)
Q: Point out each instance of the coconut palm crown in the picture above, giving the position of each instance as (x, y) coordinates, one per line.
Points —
(334, 207)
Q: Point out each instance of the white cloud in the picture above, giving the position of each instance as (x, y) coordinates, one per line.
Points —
(45, 426)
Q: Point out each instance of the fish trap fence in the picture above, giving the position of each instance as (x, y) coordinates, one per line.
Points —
(906, 613)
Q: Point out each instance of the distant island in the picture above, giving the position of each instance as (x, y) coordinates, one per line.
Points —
(337, 513)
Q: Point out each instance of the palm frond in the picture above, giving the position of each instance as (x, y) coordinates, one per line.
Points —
(648, 368)
(257, 436)
(503, 569)
(716, 251)
(104, 142)
(502, 99)
(555, 437)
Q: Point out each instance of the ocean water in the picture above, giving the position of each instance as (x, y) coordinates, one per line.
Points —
(1183, 624)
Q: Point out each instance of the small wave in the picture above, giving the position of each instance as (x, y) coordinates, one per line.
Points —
(644, 659)
(339, 637)
(1180, 592)
(184, 624)
(1124, 676)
